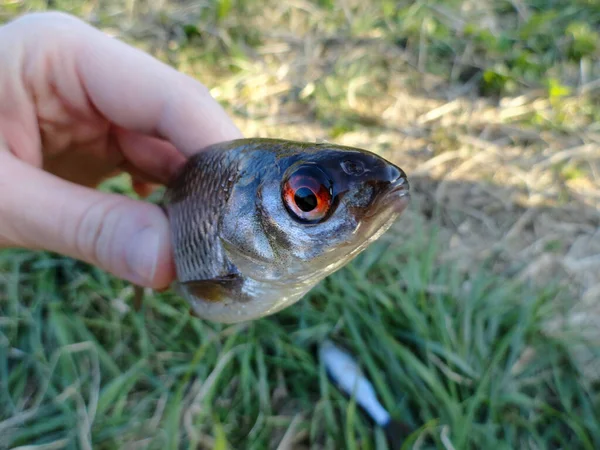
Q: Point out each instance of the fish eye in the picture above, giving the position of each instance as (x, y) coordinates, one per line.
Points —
(306, 194)
(353, 167)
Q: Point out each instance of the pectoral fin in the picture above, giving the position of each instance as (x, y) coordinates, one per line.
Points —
(216, 290)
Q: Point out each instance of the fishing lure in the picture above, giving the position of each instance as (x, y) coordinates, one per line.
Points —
(343, 369)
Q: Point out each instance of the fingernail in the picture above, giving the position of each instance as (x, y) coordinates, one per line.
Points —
(142, 254)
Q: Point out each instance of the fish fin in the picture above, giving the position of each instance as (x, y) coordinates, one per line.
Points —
(215, 290)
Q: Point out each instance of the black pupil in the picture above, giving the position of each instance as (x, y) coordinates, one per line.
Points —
(305, 199)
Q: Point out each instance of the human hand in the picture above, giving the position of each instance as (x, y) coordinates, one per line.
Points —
(76, 107)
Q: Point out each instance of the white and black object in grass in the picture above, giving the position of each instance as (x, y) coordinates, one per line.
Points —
(346, 373)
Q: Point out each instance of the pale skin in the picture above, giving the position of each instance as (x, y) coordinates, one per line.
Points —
(76, 107)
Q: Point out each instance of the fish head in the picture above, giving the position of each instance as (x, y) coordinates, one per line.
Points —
(310, 209)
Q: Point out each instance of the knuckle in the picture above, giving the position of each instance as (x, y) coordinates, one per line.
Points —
(54, 26)
(51, 19)
(95, 230)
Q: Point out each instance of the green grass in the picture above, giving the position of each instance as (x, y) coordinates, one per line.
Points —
(80, 367)
(466, 360)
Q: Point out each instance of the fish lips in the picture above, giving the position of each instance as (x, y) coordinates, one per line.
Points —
(398, 195)
(392, 197)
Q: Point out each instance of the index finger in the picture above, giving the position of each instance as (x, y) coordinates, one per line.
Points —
(131, 88)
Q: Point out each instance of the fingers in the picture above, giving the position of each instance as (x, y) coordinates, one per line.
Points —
(73, 71)
(127, 86)
(127, 238)
(147, 157)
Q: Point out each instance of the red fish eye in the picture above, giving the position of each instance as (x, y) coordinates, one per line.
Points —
(307, 194)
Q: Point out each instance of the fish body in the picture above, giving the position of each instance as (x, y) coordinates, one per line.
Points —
(256, 223)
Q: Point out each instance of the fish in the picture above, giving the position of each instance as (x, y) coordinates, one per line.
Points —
(256, 223)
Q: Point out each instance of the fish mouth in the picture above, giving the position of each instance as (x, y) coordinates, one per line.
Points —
(397, 195)
(393, 197)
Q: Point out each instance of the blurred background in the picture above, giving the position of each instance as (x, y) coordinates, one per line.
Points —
(477, 318)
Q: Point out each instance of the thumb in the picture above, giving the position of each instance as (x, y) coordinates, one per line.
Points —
(125, 237)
